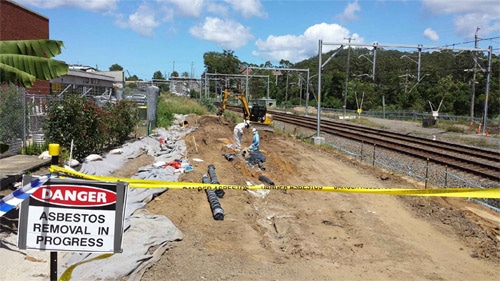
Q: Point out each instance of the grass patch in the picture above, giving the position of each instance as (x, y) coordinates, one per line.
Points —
(366, 122)
(169, 104)
(232, 116)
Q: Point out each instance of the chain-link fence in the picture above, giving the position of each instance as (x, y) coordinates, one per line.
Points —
(21, 117)
(429, 173)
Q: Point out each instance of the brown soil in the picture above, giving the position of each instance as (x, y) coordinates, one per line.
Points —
(311, 235)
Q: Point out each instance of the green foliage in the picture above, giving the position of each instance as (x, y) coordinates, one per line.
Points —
(158, 75)
(115, 67)
(397, 81)
(170, 104)
(11, 121)
(3, 147)
(122, 118)
(91, 128)
(208, 104)
(24, 61)
(233, 116)
(225, 63)
(34, 148)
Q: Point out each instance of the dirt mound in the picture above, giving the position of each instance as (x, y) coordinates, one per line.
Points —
(307, 235)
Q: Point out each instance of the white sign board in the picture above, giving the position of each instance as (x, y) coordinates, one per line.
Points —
(73, 215)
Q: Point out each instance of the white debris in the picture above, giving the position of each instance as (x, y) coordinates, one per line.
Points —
(45, 155)
(93, 157)
(116, 151)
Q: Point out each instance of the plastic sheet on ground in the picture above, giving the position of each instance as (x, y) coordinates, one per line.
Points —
(142, 231)
(146, 231)
(146, 236)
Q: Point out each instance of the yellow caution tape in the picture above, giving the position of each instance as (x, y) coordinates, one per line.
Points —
(140, 183)
(69, 271)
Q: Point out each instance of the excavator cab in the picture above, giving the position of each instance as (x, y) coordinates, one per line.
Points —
(258, 113)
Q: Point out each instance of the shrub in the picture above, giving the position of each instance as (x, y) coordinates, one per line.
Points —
(92, 129)
(11, 113)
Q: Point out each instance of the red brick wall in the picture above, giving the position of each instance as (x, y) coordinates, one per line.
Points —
(19, 23)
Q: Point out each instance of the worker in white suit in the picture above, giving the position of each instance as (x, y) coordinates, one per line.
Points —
(238, 132)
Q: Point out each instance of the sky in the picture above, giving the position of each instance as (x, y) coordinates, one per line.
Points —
(145, 36)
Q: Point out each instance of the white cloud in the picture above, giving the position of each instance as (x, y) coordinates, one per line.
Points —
(469, 15)
(190, 8)
(248, 8)
(431, 34)
(90, 5)
(466, 25)
(296, 48)
(350, 12)
(142, 21)
(226, 34)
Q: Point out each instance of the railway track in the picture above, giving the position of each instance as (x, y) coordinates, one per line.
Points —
(473, 160)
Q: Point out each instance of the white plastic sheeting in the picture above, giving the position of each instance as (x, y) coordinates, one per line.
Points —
(143, 231)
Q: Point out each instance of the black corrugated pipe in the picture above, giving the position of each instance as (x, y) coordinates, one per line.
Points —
(266, 179)
(211, 171)
(217, 211)
(261, 166)
(229, 157)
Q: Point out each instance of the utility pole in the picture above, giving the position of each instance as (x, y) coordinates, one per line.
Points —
(347, 74)
(474, 78)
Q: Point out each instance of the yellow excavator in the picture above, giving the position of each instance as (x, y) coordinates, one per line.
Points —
(257, 114)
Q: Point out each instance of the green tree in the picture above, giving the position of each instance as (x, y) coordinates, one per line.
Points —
(24, 61)
(132, 78)
(158, 75)
(115, 67)
(224, 63)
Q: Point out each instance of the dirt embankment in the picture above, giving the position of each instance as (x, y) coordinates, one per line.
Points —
(311, 235)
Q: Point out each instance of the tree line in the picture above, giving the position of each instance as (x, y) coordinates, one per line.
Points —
(445, 79)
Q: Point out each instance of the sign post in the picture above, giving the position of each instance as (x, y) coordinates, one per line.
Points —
(73, 215)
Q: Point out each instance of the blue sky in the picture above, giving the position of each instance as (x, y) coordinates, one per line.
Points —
(145, 36)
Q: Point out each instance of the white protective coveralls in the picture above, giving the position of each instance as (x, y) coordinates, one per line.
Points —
(238, 132)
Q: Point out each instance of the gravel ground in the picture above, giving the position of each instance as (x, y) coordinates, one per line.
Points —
(429, 174)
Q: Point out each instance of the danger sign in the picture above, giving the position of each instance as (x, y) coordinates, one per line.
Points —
(73, 215)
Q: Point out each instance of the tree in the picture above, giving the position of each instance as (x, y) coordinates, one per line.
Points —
(24, 61)
(174, 74)
(185, 74)
(158, 75)
(132, 78)
(225, 63)
(115, 67)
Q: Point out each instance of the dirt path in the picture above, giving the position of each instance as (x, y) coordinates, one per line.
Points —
(307, 235)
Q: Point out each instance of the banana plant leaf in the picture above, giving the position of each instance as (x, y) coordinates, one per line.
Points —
(24, 61)
(38, 48)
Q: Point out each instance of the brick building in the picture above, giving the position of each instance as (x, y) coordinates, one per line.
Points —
(20, 23)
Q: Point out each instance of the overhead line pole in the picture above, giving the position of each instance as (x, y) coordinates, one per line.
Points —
(487, 91)
(347, 76)
(420, 48)
(474, 79)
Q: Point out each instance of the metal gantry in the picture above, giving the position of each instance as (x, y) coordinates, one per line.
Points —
(419, 48)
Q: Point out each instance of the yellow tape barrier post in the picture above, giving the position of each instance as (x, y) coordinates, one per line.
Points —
(54, 152)
(444, 192)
